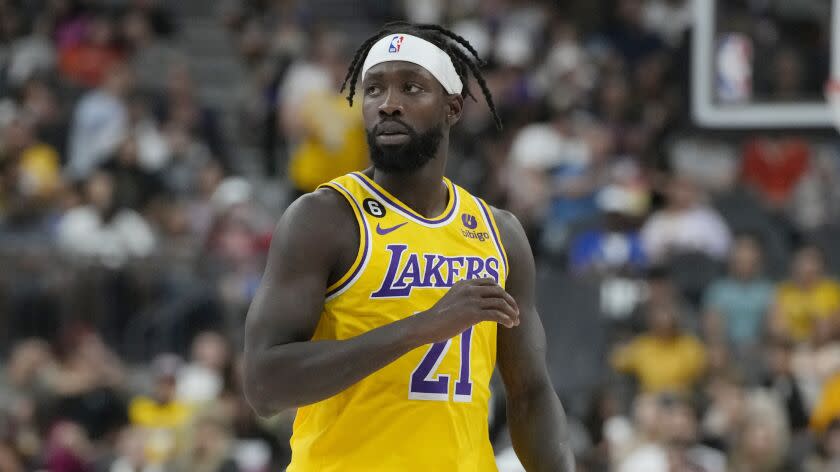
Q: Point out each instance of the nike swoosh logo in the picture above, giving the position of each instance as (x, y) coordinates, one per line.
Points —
(383, 231)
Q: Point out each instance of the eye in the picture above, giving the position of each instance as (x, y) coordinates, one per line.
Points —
(372, 90)
(413, 88)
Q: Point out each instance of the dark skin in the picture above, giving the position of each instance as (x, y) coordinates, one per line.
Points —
(311, 249)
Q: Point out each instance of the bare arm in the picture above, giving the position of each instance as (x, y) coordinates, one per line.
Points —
(535, 416)
(283, 367)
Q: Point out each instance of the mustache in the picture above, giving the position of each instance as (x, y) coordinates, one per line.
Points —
(408, 129)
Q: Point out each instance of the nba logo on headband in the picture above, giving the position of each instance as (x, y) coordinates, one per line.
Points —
(396, 42)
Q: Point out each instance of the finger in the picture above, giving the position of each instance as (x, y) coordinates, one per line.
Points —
(499, 304)
(484, 281)
(498, 317)
(498, 292)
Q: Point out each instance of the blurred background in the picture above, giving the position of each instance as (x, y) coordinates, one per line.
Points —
(673, 162)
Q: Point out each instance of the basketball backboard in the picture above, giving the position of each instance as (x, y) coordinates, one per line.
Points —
(765, 64)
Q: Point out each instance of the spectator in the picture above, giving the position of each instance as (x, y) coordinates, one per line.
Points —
(559, 168)
(617, 246)
(212, 446)
(31, 55)
(150, 54)
(818, 360)
(685, 225)
(88, 62)
(202, 379)
(678, 447)
(134, 187)
(627, 34)
(735, 306)
(806, 297)
(664, 358)
(828, 458)
(321, 149)
(100, 123)
(86, 383)
(29, 172)
(774, 166)
(762, 438)
(182, 113)
(160, 414)
(103, 232)
(779, 378)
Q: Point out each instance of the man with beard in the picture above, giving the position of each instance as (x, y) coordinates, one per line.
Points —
(379, 312)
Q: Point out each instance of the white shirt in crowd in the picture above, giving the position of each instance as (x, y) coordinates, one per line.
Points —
(82, 232)
(698, 229)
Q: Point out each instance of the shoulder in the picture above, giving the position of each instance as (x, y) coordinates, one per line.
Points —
(510, 229)
(323, 209)
(322, 218)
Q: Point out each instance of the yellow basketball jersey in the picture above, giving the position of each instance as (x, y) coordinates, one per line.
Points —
(426, 411)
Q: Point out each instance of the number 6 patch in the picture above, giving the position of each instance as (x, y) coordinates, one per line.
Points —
(373, 208)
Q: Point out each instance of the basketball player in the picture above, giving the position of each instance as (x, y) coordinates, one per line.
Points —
(388, 293)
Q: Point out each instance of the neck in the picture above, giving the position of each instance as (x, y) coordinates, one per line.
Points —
(422, 190)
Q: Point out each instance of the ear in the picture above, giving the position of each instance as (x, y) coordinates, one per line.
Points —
(454, 107)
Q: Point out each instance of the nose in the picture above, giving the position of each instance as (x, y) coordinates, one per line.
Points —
(391, 104)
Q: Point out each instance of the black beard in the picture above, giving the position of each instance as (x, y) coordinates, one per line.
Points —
(408, 157)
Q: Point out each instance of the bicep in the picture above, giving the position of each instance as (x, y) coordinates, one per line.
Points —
(288, 303)
(522, 349)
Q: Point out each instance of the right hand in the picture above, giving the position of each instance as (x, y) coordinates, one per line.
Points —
(467, 303)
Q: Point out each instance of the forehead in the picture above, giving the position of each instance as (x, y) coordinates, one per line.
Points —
(398, 69)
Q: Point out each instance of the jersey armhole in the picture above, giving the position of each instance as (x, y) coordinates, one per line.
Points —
(352, 274)
(495, 233)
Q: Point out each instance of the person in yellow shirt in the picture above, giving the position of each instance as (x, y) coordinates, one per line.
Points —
(327, 136)
(664, 359)
(30, 173)
(161, 416)
(808, 295)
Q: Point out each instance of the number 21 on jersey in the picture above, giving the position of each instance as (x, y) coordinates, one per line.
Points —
(425, 384)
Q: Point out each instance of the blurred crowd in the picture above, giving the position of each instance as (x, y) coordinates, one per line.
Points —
(133, 231)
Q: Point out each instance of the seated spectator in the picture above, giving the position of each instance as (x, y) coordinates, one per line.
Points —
(827, 459)
(160, 414)
(664, 358)
(29, 173)
(211, 445)
(149, 53)
(557, 171)
(678, 446)
(181, 109)
(202, 379)
(735, 306)
(103, 232)
(85, 384)
(88, 62)
(774, 166)
(685, 225)
(616, 247)
(779, 378)
(100, 123)
(762, 437)
(818, 360)
(806, 297)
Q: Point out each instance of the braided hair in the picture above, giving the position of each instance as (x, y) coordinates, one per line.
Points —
(439, 36)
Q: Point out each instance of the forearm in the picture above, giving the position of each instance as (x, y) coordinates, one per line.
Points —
(301, 373)
(539, 432)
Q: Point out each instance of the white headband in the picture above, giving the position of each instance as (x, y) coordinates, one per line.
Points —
(405, 47)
